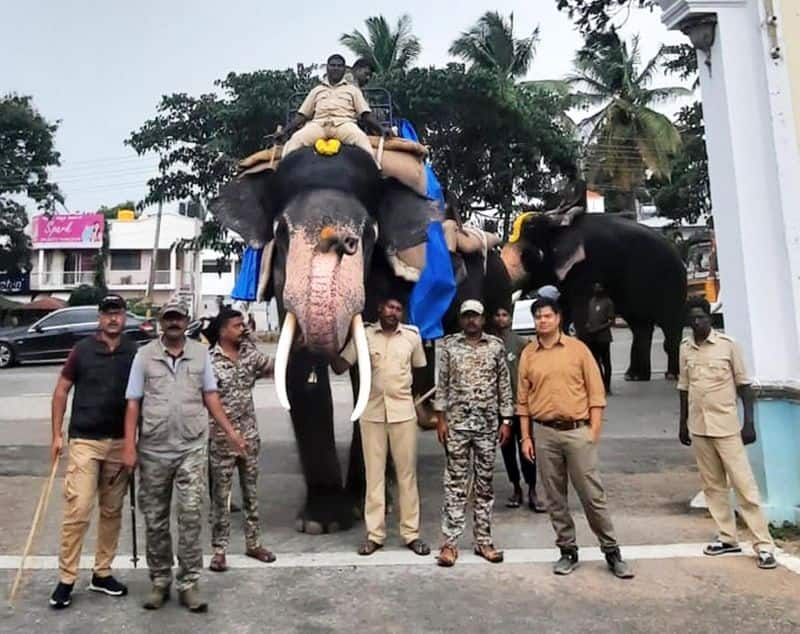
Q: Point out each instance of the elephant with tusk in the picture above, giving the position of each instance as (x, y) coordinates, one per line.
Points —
(338, 235)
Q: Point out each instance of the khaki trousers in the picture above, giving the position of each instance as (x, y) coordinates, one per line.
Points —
(722, 459)
(347, 133)
(94, 470)
(377, 439)
(572, 456)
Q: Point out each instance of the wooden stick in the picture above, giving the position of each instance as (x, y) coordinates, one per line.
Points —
(379, 158)
(38, 516)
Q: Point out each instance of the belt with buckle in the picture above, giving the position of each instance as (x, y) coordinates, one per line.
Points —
(563, 425)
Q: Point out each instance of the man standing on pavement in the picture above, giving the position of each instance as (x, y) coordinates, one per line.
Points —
(712, 373)
(560, 389)
(237, 365)
(599, 321)
(171, 386)
(514, 345)
(472, 393)
(389, 424)
(98, 369)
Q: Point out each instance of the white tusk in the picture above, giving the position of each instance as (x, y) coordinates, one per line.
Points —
(282, 358)
(364, 368)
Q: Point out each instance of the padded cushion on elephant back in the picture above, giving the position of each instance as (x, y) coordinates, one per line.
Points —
(406, 168)
(352, 170)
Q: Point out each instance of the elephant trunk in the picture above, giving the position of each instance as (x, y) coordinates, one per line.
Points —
(324, 290)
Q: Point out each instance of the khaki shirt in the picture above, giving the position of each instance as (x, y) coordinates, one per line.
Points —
(710, 373)
(392, 357)
(334, 105)
(559, 383)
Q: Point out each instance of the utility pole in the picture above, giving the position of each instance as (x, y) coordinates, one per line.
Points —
(151, 280)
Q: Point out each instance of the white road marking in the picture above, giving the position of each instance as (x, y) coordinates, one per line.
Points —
(395, 557)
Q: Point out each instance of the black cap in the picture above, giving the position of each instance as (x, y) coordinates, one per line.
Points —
(112, 302)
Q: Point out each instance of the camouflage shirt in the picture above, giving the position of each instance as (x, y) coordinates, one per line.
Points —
(473, 385)
(235, 381)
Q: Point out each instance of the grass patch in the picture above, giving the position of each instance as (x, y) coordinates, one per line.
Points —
(787, 532)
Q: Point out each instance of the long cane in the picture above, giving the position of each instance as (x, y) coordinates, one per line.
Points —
(44, 498)
(135, 557)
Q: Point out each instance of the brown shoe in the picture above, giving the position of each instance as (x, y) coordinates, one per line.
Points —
(218, 563)
(190, 598)
(368, 547)
(489, 553)
(157, 597)
(447, 556)
(261, 553)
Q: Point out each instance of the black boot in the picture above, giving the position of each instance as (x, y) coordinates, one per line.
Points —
(617, 565)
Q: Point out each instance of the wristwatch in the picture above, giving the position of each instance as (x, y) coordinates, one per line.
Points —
(506, 421)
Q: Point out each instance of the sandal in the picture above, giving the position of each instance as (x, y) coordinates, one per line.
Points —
(368, 547)
(262, 554)
(515, 500)
(721, 548)
(419, 547)
(218, 563)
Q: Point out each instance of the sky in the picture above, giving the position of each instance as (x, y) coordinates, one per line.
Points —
(100, 68)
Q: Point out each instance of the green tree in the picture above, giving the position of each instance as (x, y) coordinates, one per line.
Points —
(26, 151)
(492, 142)
(199, 140)
(625, 137)
(386, 48)
(490, 45)
(110, 213)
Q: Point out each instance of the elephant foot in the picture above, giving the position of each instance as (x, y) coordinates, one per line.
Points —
(326, 512)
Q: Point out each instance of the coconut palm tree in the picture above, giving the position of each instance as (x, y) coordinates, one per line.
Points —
(625, 137)
(388, 49)
(490, 44)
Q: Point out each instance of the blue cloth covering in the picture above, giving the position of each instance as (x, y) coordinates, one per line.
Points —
(247, 282)
(436, 288)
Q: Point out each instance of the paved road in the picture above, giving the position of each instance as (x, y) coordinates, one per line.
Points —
(648, 475)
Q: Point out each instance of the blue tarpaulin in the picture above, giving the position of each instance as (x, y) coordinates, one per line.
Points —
(406, 131)
(247, 282)
(436, 288)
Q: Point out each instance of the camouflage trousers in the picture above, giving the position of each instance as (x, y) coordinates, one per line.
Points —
(221, 463)
(157, 477)
(468, 451)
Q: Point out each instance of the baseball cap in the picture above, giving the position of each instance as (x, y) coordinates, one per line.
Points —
(471, 305)
(111, 302)
(549, 292)
(175, 307)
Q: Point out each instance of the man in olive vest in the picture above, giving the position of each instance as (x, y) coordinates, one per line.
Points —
(171, 386)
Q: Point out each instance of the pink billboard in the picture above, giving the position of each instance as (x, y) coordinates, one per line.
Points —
(72, 231)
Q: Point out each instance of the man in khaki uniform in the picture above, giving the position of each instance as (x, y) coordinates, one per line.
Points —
(389, 423)
(561, 390)
(332, 111)
(712, 373)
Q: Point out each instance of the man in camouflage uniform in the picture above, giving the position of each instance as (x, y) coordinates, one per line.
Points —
(172, 389)
(237, 366)
(474, 389)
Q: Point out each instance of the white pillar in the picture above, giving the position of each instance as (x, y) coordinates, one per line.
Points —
(754, 168)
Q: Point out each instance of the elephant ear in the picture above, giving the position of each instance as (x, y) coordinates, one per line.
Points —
(246, 206)
(568, 249)
(403, 216)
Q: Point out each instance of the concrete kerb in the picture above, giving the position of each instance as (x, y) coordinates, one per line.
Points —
(349, 559)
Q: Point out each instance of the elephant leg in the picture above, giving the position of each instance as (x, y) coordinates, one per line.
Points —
(328, 506)
(672, 344)
(356, 470)
(639, 368)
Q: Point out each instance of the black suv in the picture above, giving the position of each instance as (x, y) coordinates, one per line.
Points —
(52, 337)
